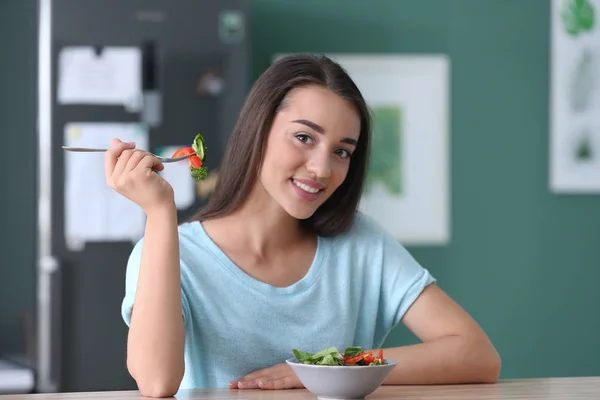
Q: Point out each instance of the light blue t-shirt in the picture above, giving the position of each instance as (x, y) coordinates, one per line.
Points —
(358, 287)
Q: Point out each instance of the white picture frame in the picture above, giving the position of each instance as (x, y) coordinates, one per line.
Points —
(574, 145)
(409, 95)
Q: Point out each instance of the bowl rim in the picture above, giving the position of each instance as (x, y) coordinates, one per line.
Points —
(389, 363)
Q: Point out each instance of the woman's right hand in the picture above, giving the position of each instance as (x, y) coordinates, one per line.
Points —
(131, 173)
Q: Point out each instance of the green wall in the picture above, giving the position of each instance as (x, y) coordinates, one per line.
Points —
(18, 80)
(524, 262)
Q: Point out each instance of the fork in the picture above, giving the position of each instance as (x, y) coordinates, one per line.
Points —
(93, 150)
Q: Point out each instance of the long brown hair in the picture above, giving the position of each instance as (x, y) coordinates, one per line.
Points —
(244, 152)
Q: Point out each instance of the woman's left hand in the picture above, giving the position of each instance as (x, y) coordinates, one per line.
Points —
(279, 376)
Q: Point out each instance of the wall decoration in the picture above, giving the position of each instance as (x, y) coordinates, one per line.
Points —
(575, 97)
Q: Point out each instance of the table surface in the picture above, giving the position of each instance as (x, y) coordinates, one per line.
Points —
(547, 389)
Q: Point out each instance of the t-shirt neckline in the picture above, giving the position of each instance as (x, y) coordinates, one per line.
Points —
(303, 284)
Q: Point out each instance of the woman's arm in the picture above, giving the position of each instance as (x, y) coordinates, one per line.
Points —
(155, 345)
(156, 332)
(454, 349)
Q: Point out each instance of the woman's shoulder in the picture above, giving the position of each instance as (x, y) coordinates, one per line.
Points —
(194, 243)
(190, 232)
(367, 235)
(368, 245)
(363, 228)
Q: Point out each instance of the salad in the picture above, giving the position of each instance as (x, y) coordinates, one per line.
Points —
(197, 171)
(352, 356)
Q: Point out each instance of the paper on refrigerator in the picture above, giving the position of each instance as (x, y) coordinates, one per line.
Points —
(93, 211)
(112, 76)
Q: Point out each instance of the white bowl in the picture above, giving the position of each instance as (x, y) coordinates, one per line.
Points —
(341, 382)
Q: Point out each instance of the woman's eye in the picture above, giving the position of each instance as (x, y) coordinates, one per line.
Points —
(343, 153)
(304, 138)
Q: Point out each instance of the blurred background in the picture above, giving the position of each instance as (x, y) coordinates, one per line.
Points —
(522, 256)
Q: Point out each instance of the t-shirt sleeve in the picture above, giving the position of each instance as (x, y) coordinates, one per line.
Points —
(131, 281)
(400, 279)
(403, 280)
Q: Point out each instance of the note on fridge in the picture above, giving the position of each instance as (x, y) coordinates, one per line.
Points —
(93, 211)
(178, 175)
(108, 76)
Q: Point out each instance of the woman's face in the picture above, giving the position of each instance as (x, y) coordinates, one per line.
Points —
(309, 149)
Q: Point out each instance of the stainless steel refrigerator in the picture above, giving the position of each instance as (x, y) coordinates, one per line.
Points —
(194, 75)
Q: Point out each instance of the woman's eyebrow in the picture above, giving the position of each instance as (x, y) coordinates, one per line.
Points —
(310, 124)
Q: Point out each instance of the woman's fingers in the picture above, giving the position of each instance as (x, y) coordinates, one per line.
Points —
(131, 173)
(250, 381)
(280, 376)
(111, 157)
(134, 160)
(149, 162)
(251, 384)
(122, 163)
(287, 382)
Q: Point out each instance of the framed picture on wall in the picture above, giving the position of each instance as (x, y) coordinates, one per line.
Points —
(408, 182)
(575, 96)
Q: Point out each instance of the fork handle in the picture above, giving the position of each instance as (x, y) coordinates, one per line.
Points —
(84, 149)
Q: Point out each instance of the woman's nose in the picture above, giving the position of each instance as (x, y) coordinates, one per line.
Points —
(320, 165)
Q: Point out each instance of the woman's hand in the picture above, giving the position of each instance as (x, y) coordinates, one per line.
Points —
(280, 376)
(131, 173)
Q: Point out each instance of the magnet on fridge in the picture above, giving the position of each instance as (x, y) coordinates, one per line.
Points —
(231, 26)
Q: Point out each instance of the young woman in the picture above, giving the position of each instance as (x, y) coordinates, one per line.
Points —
(280, 258)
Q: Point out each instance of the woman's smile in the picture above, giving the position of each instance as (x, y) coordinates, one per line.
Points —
(307, 189)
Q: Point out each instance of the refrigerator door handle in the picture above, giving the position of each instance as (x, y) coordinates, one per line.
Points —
(49, 325)
(48, 289)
